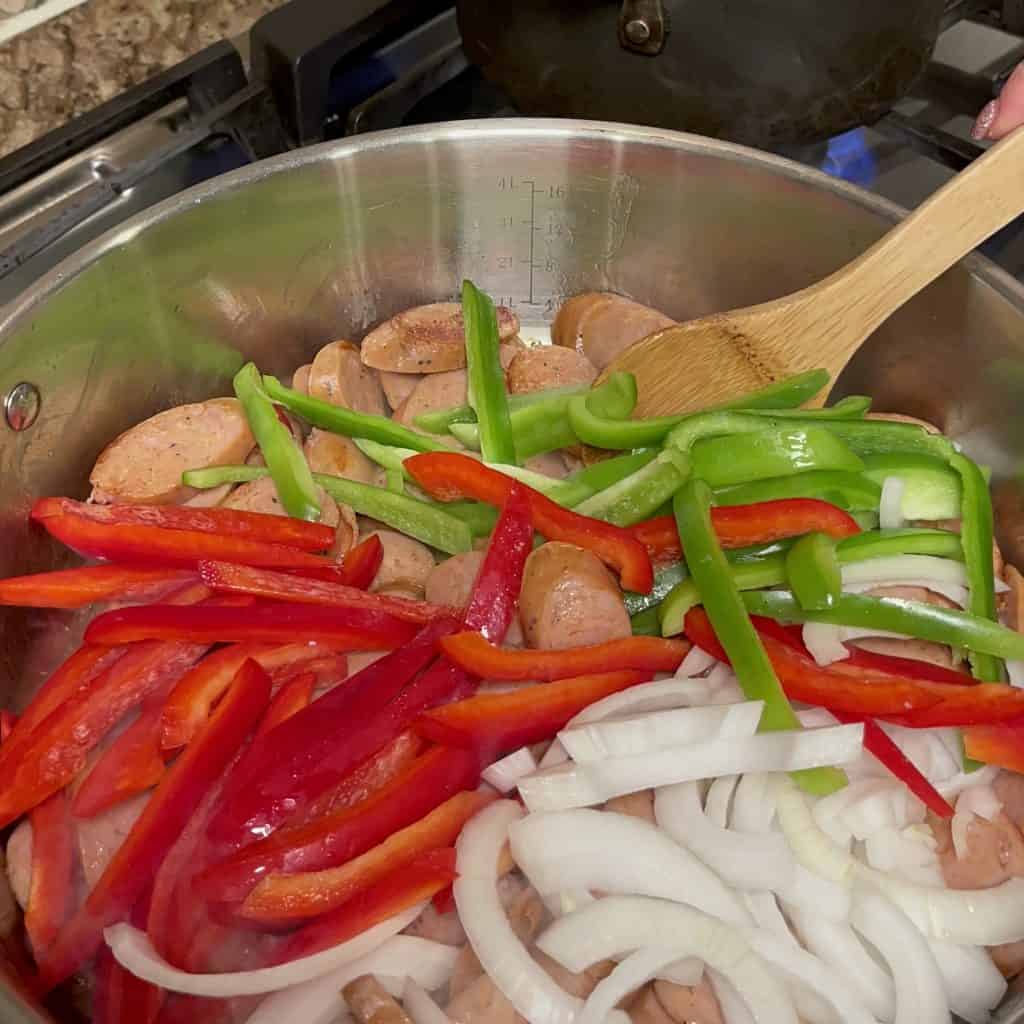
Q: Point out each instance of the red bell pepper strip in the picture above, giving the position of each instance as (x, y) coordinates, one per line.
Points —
(295, 694)
(338, 837)
(291, 766)
(495, 594)
(154, 545)
(228, 522)
(161, 822)
(981, 704)
(361, 562)
(450, 476)
(350, 629)
(494, 723)
(901, 666)
(50, 890)
(120, 996)
(130, 765)
(889, 755)
(73, 588)
(997, 744)
(223, 577)
(420, 879)
(739, 526)
(366, 778)
(8, 720)
(643, 653)
(56, 749)
(279, 898)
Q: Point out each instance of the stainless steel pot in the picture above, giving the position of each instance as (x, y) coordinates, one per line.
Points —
(271, 261)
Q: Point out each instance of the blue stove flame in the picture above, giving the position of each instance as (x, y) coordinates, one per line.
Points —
(849, 157)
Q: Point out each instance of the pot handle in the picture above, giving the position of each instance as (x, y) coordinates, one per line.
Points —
(643, 26)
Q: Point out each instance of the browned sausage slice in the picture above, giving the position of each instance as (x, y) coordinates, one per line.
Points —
(426, 339)
(434, 391)
(335, 455)
(569, 599)
(300, 379)
(600, 325)
(398, 386)
(145, 463)
(338, 376)
(548, 366)
(371, 1003)
(405, 567)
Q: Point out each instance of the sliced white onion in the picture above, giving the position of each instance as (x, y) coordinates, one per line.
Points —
(908, 853)
(1015, 672)
(753, 806)
(824, 897)
(816, 718)
(951, 591)
(930, 568)
(420, 1007)
(890, 505)
(970, 917)
(555, 754)
(135, 953)
(755, 862)
(660, 695)
(659, 730)
(734, 1009)
(696, 662)
(764, 909)
(838, 946)
(963, 781)
(593, 783)
(319, 1001)
(506, 961)
(826, 642)
(971, 980)
(980, 801)
(621, 924)
(718, 805)
(725, 688)
(616, 853)
(504, 775)
(920, 994)
(804, 967)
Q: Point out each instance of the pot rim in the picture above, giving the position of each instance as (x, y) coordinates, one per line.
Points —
(20, 309)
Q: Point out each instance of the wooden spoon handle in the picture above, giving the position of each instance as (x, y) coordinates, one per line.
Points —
(946, 227)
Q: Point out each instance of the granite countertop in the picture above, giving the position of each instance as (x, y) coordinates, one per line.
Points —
(82, 58)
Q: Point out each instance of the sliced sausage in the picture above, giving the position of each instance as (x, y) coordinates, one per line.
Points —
(600, 325)
(1014, 607)
(335, 455)
(444, 928)
(549, 366)
(450, 582)
(1009, 787)
(300, 379)
(550, 464)
(994, 854)
(144, 465)
(898, 417)
(636, 805)
(338, 376)
(19, 861)
(371, 1003)
(398, 386)
(209, 498)
(435, 391)
(917, 650)
(579, 984)
(569, 599)
(689, 1004)
(426, 339)
(405, 567)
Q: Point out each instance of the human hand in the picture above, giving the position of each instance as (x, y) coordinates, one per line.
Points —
(1000, 116)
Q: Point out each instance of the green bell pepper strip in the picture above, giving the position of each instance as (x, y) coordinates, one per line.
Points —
(850, 491)
(591, 424)
(754, 421)
(645, 623)
(610, 471)
(395, 480)
(932, 488)
(886, 437)
(766, 566)
(433, 524)
(732, 625)
(216, 476)
(865, 520)
(479, 517)
(666, 579)
(812, 569)
(976, 541)
(339, 420)
(437, 421)
(637, 496)
(771, 452)
(285, 461)
(565, 492)
(911, 618)
(485, 376)
(853, 407)
(385, 455)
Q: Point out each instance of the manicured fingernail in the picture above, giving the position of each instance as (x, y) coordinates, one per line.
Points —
(985, 120)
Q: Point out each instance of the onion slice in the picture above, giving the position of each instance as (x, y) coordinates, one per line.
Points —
(420, 1007)
(972, 981)
(660, 695)
(920, 993)
(878, 571)
(617, 853)
(584, 785)
(890, 505)
(319, 1001)
(660, 730)
(504, 775)
(523, 982)
(619, 925)
(135, 953)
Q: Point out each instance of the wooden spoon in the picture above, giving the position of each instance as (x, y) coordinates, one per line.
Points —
(719, 357)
